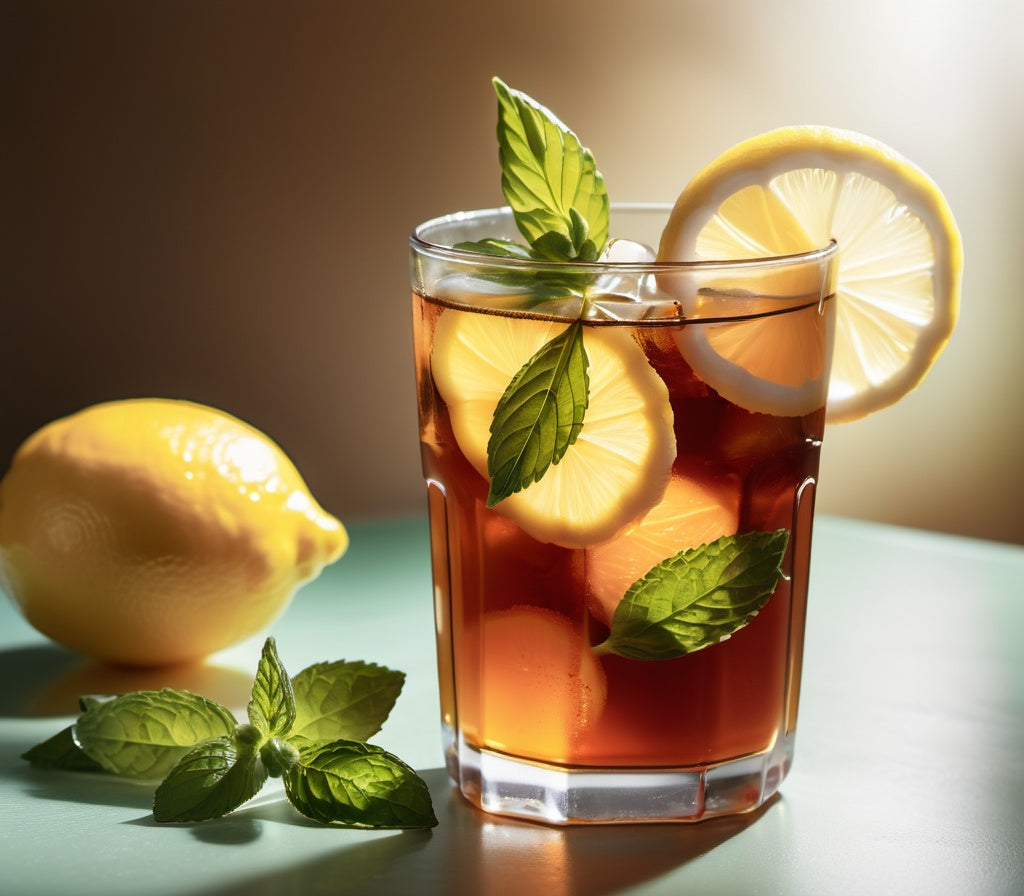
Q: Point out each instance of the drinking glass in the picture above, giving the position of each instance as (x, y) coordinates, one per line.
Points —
(693, 467)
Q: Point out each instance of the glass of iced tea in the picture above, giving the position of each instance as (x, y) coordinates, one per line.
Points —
(620, 459)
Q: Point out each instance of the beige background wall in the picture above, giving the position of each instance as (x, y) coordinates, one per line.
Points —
(211, 200)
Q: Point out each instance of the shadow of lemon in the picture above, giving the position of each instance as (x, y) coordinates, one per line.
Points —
(47, 680)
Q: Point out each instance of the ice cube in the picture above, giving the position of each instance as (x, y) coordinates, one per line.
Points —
(620, 251)
(628, 283)
(631, 294)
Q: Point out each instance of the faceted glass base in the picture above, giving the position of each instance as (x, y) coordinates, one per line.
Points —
(556, 795)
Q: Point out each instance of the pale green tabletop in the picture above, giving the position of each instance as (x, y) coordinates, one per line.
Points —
(909, 774)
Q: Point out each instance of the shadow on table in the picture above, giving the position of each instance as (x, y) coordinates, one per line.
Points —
(473, 853)
(47, 680)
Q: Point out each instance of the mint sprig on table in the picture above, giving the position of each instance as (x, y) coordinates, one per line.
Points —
(697, 597)
(309, 731)
(560, 204)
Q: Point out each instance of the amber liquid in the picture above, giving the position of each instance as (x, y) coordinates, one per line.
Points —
(735, 698)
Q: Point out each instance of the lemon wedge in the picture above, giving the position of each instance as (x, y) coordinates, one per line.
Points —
(793, 190)
(619, 465)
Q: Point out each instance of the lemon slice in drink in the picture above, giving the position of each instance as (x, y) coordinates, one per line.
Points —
(694, 511)
(619, 465)
(792, 190)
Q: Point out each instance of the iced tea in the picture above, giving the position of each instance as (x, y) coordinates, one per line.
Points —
(542, 718)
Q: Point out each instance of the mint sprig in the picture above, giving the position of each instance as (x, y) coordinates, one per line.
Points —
(698, 597)
(550, 180)
(560, 204)
(210, 764)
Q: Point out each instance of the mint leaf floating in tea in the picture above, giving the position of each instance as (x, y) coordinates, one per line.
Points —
(344, 700)
(214, 778)
(550, 180)
(211, 765)
(539, 416)
(698, 597)
(143, 734)
(358, 785)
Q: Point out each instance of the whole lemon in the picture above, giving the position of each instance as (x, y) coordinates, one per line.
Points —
(155, 531)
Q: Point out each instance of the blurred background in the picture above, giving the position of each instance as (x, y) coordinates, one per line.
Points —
(211, 200)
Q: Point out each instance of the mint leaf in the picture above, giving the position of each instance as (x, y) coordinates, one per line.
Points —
(358, 785)
(558, 197)
(344, 700)
(210, 764)
(143, 734)
(698, 597)
(272, 707)
(88, 701)
(497, 247)
(540, 414)
(61, 752)
(212, 779)
(560, 204)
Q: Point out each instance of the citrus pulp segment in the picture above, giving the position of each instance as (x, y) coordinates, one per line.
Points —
(793, 190)
(619, 465)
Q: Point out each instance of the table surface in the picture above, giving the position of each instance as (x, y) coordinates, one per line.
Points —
(908, 779)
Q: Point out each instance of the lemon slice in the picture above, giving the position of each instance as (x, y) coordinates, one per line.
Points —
(537, 688)
(694, 511)
(793, 190)
(619, 465)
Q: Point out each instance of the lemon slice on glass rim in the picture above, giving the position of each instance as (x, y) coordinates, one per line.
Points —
(619, 465)
(793, 190)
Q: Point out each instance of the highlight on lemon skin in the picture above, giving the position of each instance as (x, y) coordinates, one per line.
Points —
(156, 531)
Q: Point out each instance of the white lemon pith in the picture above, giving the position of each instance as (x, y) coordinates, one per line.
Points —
(795, 189)
(617, 468)
(152, 531)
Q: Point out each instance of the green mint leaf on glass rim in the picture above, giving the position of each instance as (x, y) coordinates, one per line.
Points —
(698, 597)
(358, 785)
(540, 415)
(550, 180)
(560, 204)
(214, 778)
(272, 707)
(61, 752)
(498, 248)
(344, 700)
(143, 734)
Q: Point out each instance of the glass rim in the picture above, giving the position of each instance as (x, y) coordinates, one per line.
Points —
(424, 246)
